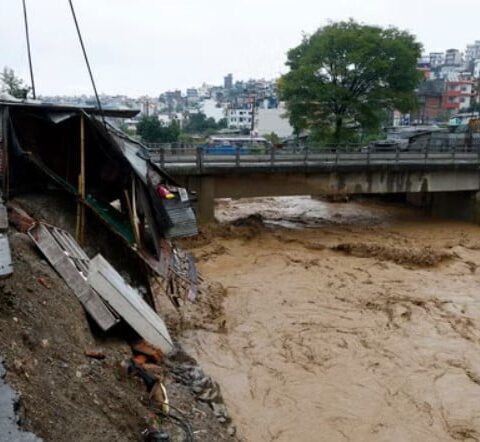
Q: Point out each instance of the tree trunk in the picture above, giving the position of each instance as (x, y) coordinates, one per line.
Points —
(338, 129)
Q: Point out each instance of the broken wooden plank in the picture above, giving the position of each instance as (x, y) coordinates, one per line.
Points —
(66, 268)
(19, 218)
(128, 303)
(3, 218)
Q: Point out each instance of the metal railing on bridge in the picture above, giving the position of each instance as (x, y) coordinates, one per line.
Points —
(201, 158)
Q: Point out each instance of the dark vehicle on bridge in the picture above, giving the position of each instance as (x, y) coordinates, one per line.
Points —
(411, 138)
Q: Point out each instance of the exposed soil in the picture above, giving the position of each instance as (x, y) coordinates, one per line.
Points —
(44, 334)
(354, 321)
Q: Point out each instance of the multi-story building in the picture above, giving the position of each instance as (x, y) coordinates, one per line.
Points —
(472, 52)
(458, 95)
(476, 68)
(453, 57)
(192, 93)
(430, 99)
(240, 118)
(268, 120)
(212, 109)
(228, 81)
(436, 59)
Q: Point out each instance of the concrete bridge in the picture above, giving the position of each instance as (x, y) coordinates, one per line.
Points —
(444, 179)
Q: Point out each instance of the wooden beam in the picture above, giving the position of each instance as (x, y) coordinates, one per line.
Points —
(80, 228)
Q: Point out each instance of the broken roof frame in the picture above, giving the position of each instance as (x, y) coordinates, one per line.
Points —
(116, 147)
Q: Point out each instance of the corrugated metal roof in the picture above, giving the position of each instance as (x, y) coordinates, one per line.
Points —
(51, 107)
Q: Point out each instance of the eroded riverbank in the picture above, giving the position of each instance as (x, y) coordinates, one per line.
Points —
(358, 322)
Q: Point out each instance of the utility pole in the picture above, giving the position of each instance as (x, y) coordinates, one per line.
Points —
(28, 49)
(252, 128)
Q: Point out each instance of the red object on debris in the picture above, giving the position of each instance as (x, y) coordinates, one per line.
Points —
(147, 349)
(95, 354)
(139, 359)
(164, 193)
(44, 282)
(19, 218)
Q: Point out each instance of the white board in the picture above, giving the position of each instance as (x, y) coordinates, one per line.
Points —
(6, 267)
(128, 303)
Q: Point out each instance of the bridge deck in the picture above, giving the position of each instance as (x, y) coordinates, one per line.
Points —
(196, 161)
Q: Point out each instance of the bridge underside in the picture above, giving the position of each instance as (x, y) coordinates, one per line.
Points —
(444, 188)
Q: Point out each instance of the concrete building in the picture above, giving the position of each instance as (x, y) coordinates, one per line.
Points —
(212, 109)
(273, 120)
(430, 98)
(436, 59)
(148, 106)
(228, 81)
(239, 118)
(476, 68)
(453, 57)
(192, 93)
(458, 95)
(472, 52)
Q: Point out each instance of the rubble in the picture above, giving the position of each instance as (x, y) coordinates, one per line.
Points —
(9, 429)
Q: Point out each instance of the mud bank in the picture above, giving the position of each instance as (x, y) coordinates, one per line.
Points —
(357, 322)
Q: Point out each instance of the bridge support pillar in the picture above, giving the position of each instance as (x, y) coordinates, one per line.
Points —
(455, 205)
(204, 186)
(458, 205)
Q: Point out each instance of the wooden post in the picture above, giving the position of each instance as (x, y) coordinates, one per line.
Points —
(80, 230)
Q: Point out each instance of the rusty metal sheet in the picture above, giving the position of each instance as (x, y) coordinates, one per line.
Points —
(62, 259)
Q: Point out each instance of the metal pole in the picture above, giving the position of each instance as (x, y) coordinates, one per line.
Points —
(27, 34)
(237, 156)
(199, 158)
(162, 157)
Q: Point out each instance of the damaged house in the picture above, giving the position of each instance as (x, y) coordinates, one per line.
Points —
(80, 150)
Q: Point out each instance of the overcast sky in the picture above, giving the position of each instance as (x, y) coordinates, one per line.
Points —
(141, 47)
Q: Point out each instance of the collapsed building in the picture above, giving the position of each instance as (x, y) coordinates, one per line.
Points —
(81, 151)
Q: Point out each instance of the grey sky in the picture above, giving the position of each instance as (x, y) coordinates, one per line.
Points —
(148, 46)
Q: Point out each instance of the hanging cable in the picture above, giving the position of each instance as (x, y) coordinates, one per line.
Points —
(87, 62)
(28, 49)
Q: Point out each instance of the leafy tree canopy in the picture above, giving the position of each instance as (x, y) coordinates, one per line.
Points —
(12, 84)
(151, 130)
(347, 76)
(198, 123)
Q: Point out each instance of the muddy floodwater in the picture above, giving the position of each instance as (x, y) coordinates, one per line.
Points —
(344, 321)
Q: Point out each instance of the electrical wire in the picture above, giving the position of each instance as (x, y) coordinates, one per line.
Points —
(86, 61)
(182, 421)
(27, 34)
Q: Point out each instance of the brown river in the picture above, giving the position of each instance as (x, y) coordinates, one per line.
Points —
(343, 321)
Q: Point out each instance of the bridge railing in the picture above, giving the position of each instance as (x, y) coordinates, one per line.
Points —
(202, 157)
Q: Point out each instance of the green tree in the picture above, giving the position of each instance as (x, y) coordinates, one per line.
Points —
(152, 130)
(198, 123)
(347, 76)
(12, 84)
(273, 138)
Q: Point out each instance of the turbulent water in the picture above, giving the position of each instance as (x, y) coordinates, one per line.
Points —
(346, 321)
